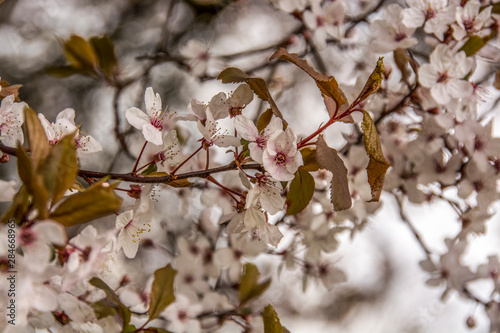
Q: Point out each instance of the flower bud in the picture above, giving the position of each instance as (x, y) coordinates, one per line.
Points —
(471, 322)
(4, 159)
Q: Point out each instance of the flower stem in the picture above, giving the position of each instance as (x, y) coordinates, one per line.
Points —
(134, 170)
(187, 159)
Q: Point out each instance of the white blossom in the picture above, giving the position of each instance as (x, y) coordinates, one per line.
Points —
(86, 145)
(281, 157)
(445, 73)
(11, 119)
(150, 122)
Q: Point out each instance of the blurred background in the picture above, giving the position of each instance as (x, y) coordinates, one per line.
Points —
(178, 48)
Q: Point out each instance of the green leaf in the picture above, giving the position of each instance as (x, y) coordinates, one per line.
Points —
(105, 50)
(123, 310)
(329, 159)
(65, 71)
(129, 328)
(374, 81)
(80, 53)
(378, 165)
(103, 309)
(97, 201)
(162, 291)
(301, 192)
(473, 44)
(496, 8)
(309, 158)
(38, 142)
(249, 286)
(271, 321)
(258, 85)
(19, 206)
(33, 182)
(150, 169)
(326, 84)
(264, 120)
(60, 168)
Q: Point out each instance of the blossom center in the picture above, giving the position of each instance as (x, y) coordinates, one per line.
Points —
(136, 231)
(443, 77)
(400, 36)
(429, 13)
(280, 158)
(320, 21)
(157, 123)
(468, 24)
(27, 237)
(261, 142)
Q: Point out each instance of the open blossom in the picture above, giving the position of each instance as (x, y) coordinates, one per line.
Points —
(37, 240)
(436, 14)
(253, 222)
(169, 152)
(266, 194)
(258, 141)
(217, 107)
(11, 119)
(88, 254)
(64, 125)
(326, 21)
(469, 20)
(281, 157)
(213, 136)
(390, 33)
(132, 224)
(150, 122)
(239, 99)
(444, 74)
(197, 56)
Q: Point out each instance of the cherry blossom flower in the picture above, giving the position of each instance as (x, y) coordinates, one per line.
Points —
(36, 242)
(479, 182)
(469, 20)
(450, 269)
(86, 145)
(328, 274)
(258, 141)
(197, 56)
(87, 254)
(445, 73)
(390, 33)
(132, 224)
(230, 258)
(213, 136)
(266, 194)
(281, 157)
(479, 141)
(182, 315)
(326, 21)
(436, 14)
(82, 316)
(150, 122)
(253, 221)
(217, 106)
(239, 99)
(169, 152)
(11, 119)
